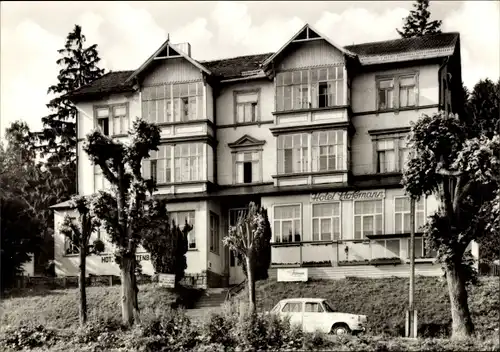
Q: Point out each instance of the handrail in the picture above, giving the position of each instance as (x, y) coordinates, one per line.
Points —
(235, 290)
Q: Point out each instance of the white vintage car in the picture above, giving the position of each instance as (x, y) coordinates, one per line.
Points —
(314, 314)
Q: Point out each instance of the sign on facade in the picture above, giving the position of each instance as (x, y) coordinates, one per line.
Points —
(290, 275)
(111, 258)
(166, 280)
(349, 195)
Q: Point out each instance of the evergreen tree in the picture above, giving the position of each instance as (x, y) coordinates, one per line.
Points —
(79, 67)
(417, 23)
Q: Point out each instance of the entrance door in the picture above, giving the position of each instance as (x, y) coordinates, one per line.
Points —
(236, 274)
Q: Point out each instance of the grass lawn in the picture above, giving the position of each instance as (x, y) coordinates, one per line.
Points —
(59, 308)
(384, 301)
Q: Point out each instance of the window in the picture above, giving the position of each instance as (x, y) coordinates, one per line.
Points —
(287, 223)
(100, 182)
(387, 248)
(402, 214)
(292, 307)
(328, 151)
(173, 102)
(404, 154)
(407, 91)
(180, 218)
(326, 221)
(113, 119)
(385, 94)
(247, 106)
(292, 153)
(386, 156)
(180, 163)
(188, 162)
(328, 308)
(70, 247)
(367, 218)
(420, 249)
(399, 91)
(313, 307)
(247, 167)
(214, 233)
(316, 88)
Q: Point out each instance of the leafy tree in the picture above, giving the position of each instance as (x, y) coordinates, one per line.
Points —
(79, 67)
(445, 163)
(122, 209)
(166, 243)
(250, 238)
(79, 232)
(417, 23)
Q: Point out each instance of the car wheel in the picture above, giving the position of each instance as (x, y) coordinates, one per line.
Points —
(340, 329)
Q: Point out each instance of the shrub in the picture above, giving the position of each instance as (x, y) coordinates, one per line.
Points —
(28, 337)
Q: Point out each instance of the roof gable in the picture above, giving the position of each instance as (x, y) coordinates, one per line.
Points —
(167, 51)
(246, 141)
(306, 33)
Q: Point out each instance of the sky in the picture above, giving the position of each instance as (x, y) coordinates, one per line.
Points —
(127, 33)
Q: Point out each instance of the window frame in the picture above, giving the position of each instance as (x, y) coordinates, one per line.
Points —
(325, 217)
(424, 211)
(313, 81)
(111, 118)
(214, 246)
(257, 111)
(191, 234)
(398, 139)
(301, 304)
(255, 164)
(385, 246)
(423, 254)
(396, 77)
(339, 151)
(171, 100)
(301, 235)
(303, 155)
(363, 237)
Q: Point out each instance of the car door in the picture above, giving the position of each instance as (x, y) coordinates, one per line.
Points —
(312, 318)
(294, 311)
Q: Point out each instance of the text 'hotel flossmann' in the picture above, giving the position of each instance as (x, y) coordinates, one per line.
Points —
(314, 132)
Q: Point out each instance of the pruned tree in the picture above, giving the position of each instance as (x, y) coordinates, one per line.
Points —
(417, 23)
(250, 238)
(79, 232)
(122, 208)
(445, 163)
(166, 243)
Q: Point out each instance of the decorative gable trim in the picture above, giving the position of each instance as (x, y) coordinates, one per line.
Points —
(166, 48)
(306, 33)
(246, 141)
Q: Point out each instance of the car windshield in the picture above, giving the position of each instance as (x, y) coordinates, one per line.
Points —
(327, 307)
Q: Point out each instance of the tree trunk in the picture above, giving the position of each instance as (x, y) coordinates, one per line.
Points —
(462, 326)
(81, 286)
(130, 309)
(251, 284)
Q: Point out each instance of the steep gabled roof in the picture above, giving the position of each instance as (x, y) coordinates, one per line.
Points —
(237, 66)
(163, 47)
(111, 82)
(308, 32)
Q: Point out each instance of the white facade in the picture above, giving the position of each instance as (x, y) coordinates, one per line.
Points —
(314, 132)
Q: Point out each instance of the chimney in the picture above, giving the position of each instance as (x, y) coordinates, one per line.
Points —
(184, 47)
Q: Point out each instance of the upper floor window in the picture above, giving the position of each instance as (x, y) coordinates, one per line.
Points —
(100, 182)
(178, 102)
(398, 91)
(287, 223)
(367, 218)
(392, 154)
(247, 167)
(328, 151)
(402, 214)
(310, 88)
(180, 163)
(246, 106)
(112, 119)
(180, 218)
(292, 153)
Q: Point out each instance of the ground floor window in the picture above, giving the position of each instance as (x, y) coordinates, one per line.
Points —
(367, 218)
(180, 218)
(287, 223)
(388, 248)
(420, 250)
(326, 221)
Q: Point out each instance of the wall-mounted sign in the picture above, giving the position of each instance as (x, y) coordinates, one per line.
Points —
(290, 275)
(166, 280)
(349, 195)
(111, 258)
